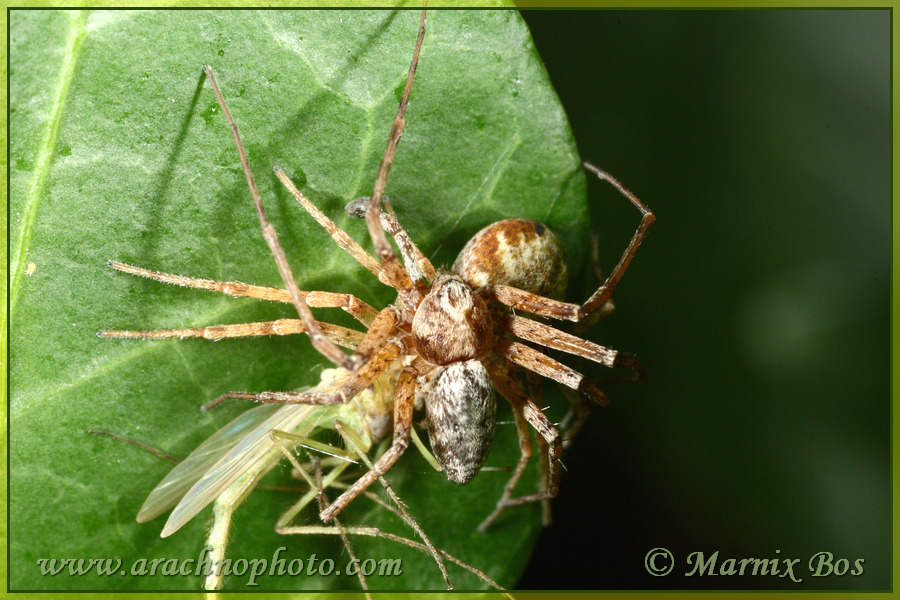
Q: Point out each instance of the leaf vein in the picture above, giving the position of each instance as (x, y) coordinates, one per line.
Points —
(44, 160)
(488, 183)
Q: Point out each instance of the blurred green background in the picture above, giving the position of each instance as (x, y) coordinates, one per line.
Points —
(759, 303)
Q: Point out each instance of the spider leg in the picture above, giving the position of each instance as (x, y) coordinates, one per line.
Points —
(339, 235)
(525, 452)
(281, 526)
(317, 484)
(323, 500)
(348, 302)
(348, 338)
(375, 532)
(605, 290)
(534, 331)
(408, 248)
(609, 306)
(540, 363)
(232, 288)
(510, 389)
(417, 264)
(480, 574)
(536, 392)
(359, 449)
(549, 337)
(548, 307)
(403, 409)
(606, 309)
(349, 436)
(575, 418)
(319, 341)
(348, 387)
(379, 331)
(531, 303)
(394, 270)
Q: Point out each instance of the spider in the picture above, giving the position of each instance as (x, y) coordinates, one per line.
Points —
(452, 331)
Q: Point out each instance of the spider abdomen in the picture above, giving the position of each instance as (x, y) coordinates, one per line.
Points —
(452, 324)
(462, 412)
(516, 252)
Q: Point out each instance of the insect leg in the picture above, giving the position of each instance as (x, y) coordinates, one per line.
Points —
(136, 444)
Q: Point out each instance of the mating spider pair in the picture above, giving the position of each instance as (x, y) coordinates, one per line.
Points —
(449, 337)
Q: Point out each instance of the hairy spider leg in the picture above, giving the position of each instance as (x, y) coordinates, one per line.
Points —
(287, 529)
(525, 409)
(536, 391)
(605, 290)
(358, 309)
(403, 408)
(319, 340)
(397, 275)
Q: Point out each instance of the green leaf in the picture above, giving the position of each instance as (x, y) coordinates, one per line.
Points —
(119, 152)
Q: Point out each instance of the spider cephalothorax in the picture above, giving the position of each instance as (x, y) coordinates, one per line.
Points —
(452, 323)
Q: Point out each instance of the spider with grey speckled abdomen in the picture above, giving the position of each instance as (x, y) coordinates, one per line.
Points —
(450, 330)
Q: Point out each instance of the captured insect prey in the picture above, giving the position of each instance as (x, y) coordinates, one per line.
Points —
(228, 466)
(448, 355)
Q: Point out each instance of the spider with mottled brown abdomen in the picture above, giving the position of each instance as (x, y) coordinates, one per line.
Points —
(451, 331)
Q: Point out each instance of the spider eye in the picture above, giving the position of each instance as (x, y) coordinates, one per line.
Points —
(462, 412)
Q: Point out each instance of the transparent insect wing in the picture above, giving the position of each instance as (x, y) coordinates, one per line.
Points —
(246, 455)
(186, 473)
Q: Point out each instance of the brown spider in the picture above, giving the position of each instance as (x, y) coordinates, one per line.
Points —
(452, 331)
